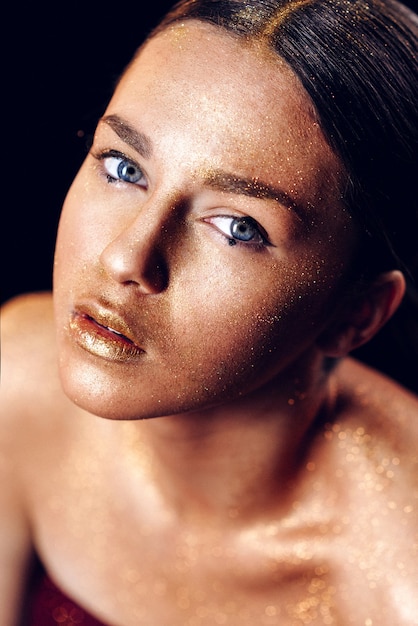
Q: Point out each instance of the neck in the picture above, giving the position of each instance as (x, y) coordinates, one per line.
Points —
(238, 460)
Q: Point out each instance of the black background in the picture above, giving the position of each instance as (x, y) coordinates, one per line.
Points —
(63, 60)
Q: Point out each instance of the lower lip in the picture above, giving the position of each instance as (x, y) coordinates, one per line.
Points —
(101, 341)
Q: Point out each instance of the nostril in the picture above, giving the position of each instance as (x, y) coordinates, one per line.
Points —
(136, 263)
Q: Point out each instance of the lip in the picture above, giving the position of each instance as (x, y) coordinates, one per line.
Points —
(104, 334)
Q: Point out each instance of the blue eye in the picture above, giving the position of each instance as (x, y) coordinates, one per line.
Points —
(120, 168)
(240, 230)
(128, 172)
(244, 229)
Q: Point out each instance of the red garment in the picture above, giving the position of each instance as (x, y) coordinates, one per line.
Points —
(50, 607)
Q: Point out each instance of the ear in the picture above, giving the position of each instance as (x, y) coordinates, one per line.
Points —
(365, 316)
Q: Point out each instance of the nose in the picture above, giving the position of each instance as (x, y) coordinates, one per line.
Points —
(137, 254)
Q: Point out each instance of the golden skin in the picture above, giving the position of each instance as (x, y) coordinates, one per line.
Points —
(214, 320)
(281, 494)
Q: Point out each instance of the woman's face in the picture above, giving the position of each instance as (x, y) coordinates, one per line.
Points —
(202, 244)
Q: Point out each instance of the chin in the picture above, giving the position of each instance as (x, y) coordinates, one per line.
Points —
(103, 397)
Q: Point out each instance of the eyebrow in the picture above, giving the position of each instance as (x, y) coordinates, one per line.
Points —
(216, 179)
(137, 140)
(251, 187)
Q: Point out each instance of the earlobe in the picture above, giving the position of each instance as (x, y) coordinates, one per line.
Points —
(367, 315)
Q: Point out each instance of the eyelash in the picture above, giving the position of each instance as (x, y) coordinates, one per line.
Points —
(241, 223)
(117, 176)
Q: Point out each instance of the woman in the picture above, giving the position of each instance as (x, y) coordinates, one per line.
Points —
(243, 221)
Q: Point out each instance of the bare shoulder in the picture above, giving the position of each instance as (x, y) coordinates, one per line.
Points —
(26, 321)
(373, 444)
(375, 438)
(31, 397)
(28, 346)
(380, 403)
(28, 380)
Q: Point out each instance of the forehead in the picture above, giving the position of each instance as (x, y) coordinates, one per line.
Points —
(238, 100)
(213, 69)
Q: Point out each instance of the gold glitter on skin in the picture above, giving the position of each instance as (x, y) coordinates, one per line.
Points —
(248, 510)
(295, 282)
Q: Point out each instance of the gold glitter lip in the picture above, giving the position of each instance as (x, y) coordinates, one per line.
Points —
(104, 335)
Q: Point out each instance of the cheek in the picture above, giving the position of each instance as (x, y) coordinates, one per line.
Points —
(249, 325)
(80, 232)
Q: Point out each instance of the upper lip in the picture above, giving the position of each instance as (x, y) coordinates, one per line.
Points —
(105, 316)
